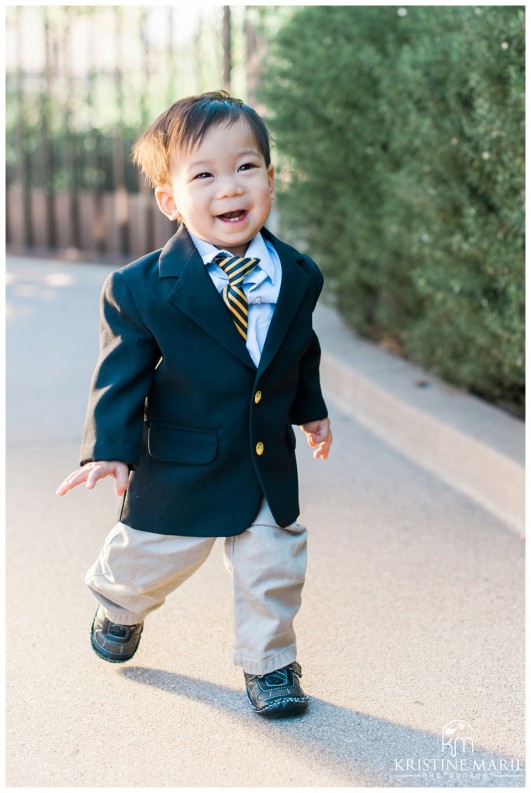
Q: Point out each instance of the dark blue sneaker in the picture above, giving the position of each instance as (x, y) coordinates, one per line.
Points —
(277, 694)
(113, 642)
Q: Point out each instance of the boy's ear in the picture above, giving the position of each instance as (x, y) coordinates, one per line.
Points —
(271, 180)
(166, 202)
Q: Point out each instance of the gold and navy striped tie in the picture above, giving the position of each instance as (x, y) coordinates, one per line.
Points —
(233, 293)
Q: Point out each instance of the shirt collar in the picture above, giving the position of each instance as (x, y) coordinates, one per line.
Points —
(257, 249)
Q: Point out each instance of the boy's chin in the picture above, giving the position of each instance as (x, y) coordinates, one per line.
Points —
(236, 250)
(235, 244)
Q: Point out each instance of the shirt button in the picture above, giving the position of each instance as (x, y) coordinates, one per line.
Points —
(259, 448)
(257, 397)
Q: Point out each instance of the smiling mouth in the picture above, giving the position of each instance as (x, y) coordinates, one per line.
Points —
(233, 217)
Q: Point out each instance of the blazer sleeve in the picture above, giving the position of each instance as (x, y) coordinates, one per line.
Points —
(122, 378)
(308, 404)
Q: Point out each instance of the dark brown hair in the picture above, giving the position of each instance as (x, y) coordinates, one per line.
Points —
(185, 124)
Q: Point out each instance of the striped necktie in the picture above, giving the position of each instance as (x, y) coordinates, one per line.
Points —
(233, 294)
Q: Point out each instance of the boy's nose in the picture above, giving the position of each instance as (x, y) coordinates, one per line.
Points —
(229, 187)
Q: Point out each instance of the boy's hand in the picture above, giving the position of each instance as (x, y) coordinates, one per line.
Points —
(319, 437)
(91, 472)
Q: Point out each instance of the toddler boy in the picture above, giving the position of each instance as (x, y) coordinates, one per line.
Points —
(207, 358)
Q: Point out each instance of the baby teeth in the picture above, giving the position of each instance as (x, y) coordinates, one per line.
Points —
(236, 215)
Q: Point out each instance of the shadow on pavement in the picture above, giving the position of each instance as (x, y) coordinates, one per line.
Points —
(371, 751)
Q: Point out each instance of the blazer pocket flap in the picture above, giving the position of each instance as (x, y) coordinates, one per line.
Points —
(170, 444)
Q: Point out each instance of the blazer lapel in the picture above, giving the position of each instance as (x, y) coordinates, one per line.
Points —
(292, 290)
(195, 295)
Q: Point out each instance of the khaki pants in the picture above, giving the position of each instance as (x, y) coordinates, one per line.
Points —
(136, 570)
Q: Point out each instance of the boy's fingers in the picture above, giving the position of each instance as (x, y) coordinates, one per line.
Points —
(122, 481)
(70, 478)
(64, 488)
(94, 475)
(91, 473)
(71, 481)
(315, 438)
(323, 450)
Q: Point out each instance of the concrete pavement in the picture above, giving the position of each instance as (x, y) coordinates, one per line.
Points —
(412, 615)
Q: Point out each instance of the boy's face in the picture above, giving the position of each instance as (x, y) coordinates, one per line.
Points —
(221, 189)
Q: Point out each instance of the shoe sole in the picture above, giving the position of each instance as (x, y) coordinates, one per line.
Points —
(283, 709)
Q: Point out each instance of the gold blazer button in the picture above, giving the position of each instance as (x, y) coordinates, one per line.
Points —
(257, 397)
(260, 448)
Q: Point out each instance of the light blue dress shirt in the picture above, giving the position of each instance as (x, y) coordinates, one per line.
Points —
(261, 287)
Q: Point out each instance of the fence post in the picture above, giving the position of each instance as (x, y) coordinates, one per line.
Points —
(23, 166)
(227, 53)
(46, 148)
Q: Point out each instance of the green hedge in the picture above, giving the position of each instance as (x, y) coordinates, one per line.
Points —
(401, 137)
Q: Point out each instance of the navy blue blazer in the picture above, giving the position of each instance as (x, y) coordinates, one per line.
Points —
(177, 397)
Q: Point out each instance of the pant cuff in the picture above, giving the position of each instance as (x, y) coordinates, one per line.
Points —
(123, 617)
(116, 613)
(267, 665)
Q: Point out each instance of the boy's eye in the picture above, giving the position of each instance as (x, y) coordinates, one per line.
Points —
(203, 175)
(247, 166)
